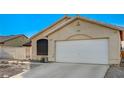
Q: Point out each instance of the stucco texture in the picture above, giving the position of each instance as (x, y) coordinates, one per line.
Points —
(85, 30)
(43, 36)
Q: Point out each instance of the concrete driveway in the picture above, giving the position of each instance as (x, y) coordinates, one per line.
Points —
(67, 70)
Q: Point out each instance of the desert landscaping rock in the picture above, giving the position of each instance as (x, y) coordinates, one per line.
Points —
(10, 69)
(115, 72)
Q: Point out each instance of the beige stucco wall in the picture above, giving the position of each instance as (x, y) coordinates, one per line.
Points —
(86, 30)
(28, 52)
(16, 42)
(20, 53)
(42, 36)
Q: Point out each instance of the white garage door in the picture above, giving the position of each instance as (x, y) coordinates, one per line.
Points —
(82, 51)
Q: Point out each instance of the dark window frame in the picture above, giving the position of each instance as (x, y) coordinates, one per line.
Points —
(42, 47)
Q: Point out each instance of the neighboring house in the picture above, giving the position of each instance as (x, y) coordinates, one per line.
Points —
(13, 40)
(13, 47)
(78, 40)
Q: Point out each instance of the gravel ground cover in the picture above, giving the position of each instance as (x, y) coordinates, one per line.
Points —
(10, 69)
(115, 72)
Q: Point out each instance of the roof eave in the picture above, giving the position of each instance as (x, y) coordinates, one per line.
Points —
(102, 24)
(49, 26)
(91, 21)
(84, 19)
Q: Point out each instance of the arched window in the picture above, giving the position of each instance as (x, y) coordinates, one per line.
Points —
(42, 47)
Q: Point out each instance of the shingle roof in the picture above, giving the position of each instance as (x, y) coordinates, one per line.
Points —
(6, 38)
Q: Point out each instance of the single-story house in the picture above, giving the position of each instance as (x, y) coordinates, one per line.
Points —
(78, 40)
(13, 40)
(14, 47)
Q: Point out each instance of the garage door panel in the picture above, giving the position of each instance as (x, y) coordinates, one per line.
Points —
(82, 51)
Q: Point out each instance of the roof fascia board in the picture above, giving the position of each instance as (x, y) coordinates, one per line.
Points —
(101, 23)
(61, 26)
(84, 19)
(81, 18)
(49, 27)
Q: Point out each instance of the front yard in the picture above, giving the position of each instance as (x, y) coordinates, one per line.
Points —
(115, 72)
(10, 69)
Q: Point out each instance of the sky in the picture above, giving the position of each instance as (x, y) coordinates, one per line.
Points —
(30, 24)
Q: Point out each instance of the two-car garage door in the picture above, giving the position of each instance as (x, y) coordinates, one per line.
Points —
(82, 51)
